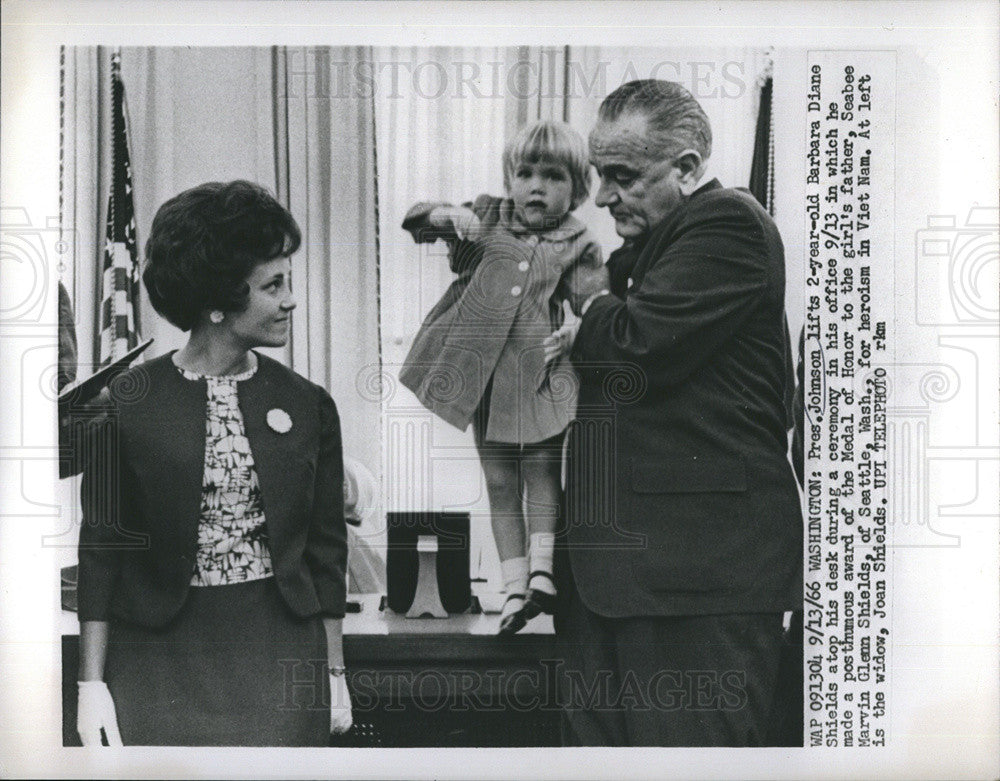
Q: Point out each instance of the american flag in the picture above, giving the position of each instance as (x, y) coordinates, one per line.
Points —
(120, 292)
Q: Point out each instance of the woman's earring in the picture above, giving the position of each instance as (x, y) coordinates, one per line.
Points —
(217, 316)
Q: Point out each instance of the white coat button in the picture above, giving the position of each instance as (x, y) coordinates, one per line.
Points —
(516, 290)
(522, 266)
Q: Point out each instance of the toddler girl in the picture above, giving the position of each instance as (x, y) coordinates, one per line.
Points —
(478, 357)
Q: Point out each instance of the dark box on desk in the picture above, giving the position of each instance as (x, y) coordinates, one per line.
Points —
(452, 532)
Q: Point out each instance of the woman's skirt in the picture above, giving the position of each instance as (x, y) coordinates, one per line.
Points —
(234, 668)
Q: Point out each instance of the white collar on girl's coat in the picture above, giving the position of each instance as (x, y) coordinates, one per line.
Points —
(569, 228)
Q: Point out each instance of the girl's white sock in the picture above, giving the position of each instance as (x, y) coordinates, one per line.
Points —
(515, 575)
(540, 557)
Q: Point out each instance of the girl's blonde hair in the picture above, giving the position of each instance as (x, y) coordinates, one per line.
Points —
(550, 141)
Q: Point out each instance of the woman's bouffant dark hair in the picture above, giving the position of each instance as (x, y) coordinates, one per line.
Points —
(205, 242)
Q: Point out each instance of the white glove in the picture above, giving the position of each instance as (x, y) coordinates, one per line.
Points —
(96, 711)
(340, 705)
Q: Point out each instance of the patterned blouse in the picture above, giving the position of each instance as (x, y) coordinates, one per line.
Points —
(232, 536)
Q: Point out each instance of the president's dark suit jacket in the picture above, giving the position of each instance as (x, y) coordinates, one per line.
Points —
(142, 488)
(680, 498)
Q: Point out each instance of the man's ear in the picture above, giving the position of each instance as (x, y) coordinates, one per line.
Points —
(691, 167)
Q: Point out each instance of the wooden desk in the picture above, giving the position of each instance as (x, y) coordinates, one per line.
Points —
(424, 682)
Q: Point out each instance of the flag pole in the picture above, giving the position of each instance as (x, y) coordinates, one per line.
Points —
(119, 314)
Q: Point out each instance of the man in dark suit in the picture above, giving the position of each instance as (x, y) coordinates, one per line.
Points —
(683, 545)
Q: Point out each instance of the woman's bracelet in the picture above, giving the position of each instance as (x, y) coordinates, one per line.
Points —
(336, 669)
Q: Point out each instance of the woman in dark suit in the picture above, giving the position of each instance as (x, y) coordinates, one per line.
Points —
(213, 548)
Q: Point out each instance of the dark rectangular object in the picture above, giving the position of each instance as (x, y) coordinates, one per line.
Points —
(452, 532)
(87, 389)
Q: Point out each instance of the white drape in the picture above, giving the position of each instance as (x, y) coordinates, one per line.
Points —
(325, 155)
(436, 141)
(84, 176)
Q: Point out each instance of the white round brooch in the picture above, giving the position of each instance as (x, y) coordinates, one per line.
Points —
(278, 420)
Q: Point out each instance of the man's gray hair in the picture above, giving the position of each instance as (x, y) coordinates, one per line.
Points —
(676, 121)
